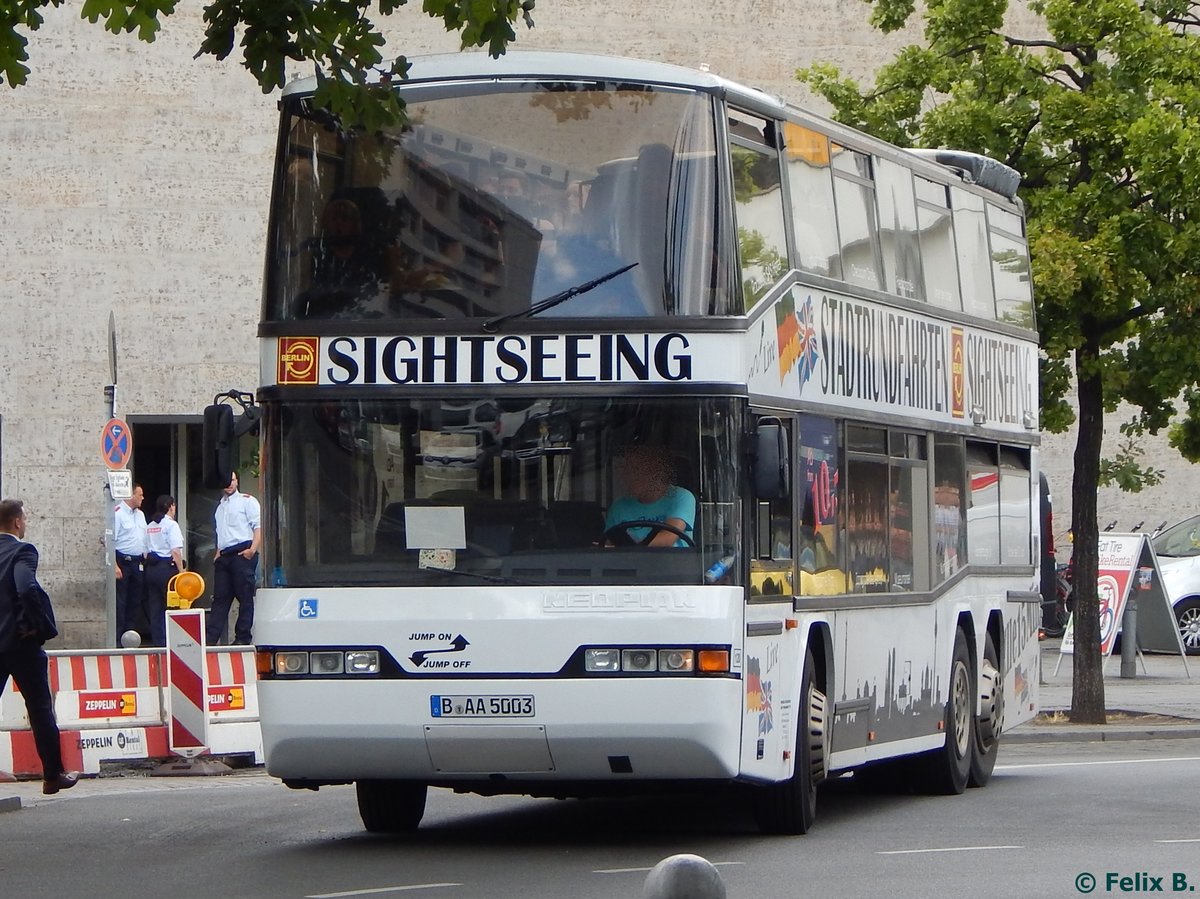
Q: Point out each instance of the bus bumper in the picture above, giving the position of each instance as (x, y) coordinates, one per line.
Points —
(648, 729)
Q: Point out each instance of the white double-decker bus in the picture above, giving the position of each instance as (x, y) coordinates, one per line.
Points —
(824, 344)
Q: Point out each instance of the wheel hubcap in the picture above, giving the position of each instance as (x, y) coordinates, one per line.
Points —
(961, 708)
(818, 734)
(1189, 628)
(991, 718)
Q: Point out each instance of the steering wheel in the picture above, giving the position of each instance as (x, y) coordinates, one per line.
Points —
(619, 535)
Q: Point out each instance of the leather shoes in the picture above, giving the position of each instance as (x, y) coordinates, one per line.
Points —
(64, 781)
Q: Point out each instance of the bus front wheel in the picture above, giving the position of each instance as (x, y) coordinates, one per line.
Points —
(946, 770)
(790, 807)
(390, 806)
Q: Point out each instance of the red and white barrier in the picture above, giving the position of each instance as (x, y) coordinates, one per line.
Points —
(113, 705)
(187, 681)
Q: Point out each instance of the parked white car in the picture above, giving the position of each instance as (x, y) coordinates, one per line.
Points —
(1178, 551)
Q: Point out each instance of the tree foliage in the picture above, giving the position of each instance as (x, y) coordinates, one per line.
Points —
(1099, 109)
(337, 37)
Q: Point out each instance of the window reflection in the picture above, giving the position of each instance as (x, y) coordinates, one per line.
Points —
(898, 230)
(974, 256)
(486, 203)
(858, 227)
(758, 194)
(1010, 263)
(950, 532)
(822, 520)
(811, 189)
(939, 260)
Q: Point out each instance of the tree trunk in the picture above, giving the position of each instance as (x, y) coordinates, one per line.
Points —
(1087, 686)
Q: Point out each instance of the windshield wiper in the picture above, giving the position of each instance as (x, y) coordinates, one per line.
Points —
(492, 324)
(493, 578)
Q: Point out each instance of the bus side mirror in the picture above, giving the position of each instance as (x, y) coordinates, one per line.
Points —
(771, 460)
(217, 446)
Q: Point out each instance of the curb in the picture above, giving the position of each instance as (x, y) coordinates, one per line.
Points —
(1098, 733)
(10, 804)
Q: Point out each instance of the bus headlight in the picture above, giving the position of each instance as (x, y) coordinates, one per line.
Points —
(362, 661)
(602, 660)
(676, 659)
(291, 663)
(639, 660)
(326, 662)
(322, 662)
(660, 660)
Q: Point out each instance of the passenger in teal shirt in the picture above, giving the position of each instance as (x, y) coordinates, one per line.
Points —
(647, 474)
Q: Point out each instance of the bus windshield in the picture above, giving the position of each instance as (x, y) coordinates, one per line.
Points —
(500, 489)
(495, 196)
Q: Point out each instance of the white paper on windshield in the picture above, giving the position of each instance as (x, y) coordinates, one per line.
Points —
(435, 527)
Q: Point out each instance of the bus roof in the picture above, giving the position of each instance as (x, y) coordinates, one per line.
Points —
(551, 64)
(995, 177)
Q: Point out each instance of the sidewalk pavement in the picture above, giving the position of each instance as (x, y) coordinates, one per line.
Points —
(1160, 702)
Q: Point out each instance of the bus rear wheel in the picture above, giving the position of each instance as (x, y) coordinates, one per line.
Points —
(390, 806)
(790, 807)
(945, 771)
(991, 717)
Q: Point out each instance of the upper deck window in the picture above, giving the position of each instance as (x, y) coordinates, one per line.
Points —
(758, 195)
(858, 226)
(811, 187)
(974, 257)
(898, 230)
(937, 244)
(1010, 267)
(496, 196)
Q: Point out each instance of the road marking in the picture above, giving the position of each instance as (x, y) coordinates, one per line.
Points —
(650, 868)
(1177, 841)
(945, 849)
(1188, 758)
(415, 886)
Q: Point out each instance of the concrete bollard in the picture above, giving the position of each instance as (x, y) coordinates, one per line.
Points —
(684, 877)
(131, 639)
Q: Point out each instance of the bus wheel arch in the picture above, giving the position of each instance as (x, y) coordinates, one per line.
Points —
(789, 806)
(391, 806)
(816, 706)
(947, 769)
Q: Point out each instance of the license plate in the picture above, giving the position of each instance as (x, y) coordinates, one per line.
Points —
(477, 706)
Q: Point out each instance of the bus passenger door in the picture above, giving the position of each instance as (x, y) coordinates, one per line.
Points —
(772, 655)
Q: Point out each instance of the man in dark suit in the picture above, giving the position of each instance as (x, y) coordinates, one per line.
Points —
(21, 653)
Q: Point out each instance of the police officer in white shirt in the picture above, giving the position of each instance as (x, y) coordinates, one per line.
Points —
(164, 560)
(129, 541)
(239, 535)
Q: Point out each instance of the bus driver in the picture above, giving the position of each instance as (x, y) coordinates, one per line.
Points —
(648, 475)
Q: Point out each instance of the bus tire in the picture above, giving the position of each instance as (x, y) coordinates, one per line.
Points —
(945, 771)
(390, 806)
(990, 722)
(790, 806)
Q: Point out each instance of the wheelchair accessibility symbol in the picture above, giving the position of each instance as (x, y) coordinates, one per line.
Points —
(308, 608)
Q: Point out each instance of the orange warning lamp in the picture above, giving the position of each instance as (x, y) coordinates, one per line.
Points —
(184, 589)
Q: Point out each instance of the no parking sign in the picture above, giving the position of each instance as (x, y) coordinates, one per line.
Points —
(116, 444)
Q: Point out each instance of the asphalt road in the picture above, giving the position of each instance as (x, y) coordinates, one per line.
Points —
(1053, 813)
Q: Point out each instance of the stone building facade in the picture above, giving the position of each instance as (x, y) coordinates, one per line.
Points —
(134, 180)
